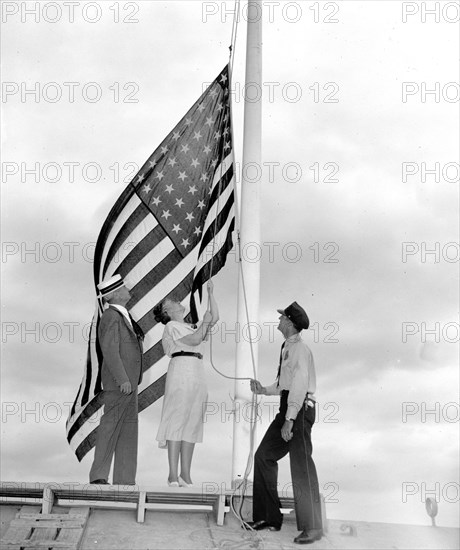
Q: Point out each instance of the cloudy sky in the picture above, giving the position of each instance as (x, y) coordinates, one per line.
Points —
(359, 198)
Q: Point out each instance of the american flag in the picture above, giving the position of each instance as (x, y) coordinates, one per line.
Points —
(169, 231)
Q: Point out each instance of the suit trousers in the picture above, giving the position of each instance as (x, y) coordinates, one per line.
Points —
(266, 503)
(117, 437)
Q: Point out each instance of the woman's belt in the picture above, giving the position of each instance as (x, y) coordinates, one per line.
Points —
(186, 354)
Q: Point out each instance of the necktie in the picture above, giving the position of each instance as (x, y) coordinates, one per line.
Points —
(137, 329)
(279, 366)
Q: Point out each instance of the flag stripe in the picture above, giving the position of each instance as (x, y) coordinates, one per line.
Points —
(121, 211)
(225, 205)
(87, 444)
(216, 264)
(91, 408)
(222, 184)
(220, 241)
(124, 237)
(152, 393)
(142, 259)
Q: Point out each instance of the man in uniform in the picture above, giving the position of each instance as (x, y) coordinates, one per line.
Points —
(120, 341)
(290, 432)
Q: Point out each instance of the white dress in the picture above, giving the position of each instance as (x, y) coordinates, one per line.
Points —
(186, 393)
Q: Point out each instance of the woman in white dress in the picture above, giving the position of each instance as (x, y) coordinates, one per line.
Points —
(186, 393)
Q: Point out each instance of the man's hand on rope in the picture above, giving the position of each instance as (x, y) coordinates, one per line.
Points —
(256, 387)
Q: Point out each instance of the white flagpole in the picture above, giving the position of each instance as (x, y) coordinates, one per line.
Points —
(248, 290)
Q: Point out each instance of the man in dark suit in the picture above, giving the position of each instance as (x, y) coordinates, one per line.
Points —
(121, 345)
(290, 432)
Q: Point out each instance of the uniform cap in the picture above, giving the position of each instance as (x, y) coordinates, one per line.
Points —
(297, 315)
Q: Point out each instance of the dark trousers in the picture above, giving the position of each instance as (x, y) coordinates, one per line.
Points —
(117, 436)
(266, 503)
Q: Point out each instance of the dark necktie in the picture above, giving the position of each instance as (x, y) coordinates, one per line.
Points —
(279, 366)
(137, 329)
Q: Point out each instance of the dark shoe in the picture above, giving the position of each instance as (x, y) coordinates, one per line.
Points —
(307, 536)
(262, 524)
(100, 482)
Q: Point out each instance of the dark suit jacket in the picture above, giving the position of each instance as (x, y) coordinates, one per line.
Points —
(121, 350)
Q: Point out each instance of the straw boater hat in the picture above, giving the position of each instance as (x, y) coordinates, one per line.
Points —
(106, 287)
(297, 315)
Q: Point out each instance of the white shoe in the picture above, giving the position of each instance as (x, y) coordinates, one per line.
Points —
(183, 483)
(173, 483)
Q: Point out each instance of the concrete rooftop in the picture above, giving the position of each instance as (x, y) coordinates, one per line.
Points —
(109, 529)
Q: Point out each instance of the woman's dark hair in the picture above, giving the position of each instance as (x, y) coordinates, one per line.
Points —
(160, 314)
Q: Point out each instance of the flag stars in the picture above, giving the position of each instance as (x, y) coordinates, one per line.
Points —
(172, 161)
(217, 135)
(156, 201)
(179, 203)
(213, 93)
(185, 148)
(189, 217)
(207, 150)
(201, 107)
(188, 121)
(204, 177)
(225, 132)
(209, 121)
(227, 145)
(140, 178)
(166, 214)
(146, 189)
(185, 243)
(176, 136)
(197, 136)
(198, 231)
(182, 176)
(152, 163)
(176, 228)
(220, 107)
(201, 204)
(169, 189)
(195, 163)
(214, 163)
(223, 78)
(192, 189)
(164, 150)
(159, 176)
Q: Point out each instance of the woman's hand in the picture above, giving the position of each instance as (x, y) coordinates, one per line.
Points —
(207, 317)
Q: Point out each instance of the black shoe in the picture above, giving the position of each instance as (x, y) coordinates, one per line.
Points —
(99, 482)
(307, 536)
(262, 524)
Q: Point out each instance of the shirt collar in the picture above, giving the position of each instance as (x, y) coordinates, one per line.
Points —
(123, 311)
(293, 338)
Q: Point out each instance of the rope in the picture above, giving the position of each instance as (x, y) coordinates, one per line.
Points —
(232, 49)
